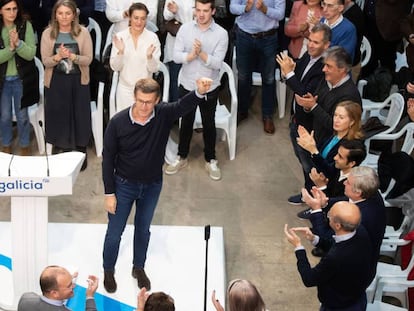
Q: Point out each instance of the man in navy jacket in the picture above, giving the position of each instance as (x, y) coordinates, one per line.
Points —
(343, 275)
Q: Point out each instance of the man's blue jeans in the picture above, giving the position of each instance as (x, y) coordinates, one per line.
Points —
(145, 197)
(11, 95)
(250, 53)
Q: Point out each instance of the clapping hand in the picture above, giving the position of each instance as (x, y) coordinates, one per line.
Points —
(172, 7)
(249, 4)
(204, 85)
(14, 38)
(307, 101)
(119, 44)
(306, 140)
(292, 237)
(286, 63)
(216, 302)
(319, 179)
(260, 5)
(150, 51)
(410, 108)
(305, 231)
(93, 283)
(317, 200)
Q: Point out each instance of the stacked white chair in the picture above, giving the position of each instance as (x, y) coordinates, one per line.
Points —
(386, 270)
(377, 304)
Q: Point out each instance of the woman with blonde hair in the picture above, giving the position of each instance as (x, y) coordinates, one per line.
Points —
(346, 125)
(242, 296)
(66, 49)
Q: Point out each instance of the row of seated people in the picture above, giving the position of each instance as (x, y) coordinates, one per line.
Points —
(57, 285)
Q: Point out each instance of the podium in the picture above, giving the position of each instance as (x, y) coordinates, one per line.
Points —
(25, 180)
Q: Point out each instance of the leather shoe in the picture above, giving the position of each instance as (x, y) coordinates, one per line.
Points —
(25, 151)
(6, 149)
(241, 116)
(109, 281)
(142, 279)
(268, 125)
(318, 252)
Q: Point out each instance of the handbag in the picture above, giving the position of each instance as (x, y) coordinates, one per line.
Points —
(172, 26)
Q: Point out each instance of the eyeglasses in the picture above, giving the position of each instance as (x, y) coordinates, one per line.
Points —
(145, 102)
(328, 5)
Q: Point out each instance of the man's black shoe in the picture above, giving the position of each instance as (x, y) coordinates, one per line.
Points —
(295, 199)
(305, 214)
(318, 252)
(109, 281)
(142, 279)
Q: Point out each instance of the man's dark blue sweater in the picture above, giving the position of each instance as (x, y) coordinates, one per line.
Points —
(136, 152)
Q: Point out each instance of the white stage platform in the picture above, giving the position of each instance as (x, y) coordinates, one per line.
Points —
(175, 264)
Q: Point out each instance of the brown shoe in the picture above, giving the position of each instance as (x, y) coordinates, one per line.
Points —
(268, 125)
(25, 151)
(6, 149)
(143, 280)
(109, 282)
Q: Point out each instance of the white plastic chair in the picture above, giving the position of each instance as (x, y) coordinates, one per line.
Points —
(225, 119)
(365, 51)
(36, 110)
(108, 41)
(390, 245)
(377, 304)
(371, 159)
(115, 78)
(385, 270)
(94, 26)
(257, 81)
(151, 26)
(97, 120)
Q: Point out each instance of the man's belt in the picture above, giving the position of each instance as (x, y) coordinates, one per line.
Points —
(259, 35)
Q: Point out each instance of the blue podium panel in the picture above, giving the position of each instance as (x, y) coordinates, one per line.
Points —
(175, 264)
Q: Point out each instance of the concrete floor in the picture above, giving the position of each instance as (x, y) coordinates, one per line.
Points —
(250, 203)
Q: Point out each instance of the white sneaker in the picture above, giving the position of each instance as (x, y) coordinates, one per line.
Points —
(178, 164)
(213, 170)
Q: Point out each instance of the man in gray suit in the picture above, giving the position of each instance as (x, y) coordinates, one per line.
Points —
(57, 285)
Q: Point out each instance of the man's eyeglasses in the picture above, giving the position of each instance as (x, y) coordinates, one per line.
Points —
(145, 102)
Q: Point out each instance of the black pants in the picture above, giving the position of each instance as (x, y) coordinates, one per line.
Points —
(207, 111)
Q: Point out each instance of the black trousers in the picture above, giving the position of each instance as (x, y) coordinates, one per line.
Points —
(207, 111)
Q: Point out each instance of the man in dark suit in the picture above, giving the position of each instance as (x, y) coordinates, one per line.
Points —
(342, 276)
(361, 188)
(329, 179)
(303, 77)
(337, 87)
(57, 286)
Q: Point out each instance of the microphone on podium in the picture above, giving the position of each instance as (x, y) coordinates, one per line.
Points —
(44, 139)
(10, 163)
(206, 238)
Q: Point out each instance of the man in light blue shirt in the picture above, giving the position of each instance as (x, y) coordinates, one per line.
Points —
(200, 47)
(256, 47)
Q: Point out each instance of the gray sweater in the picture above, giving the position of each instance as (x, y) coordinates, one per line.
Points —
(33, 302)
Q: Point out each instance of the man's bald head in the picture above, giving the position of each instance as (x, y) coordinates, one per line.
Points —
(49, 278)
(344, 216)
